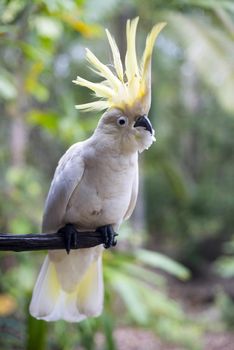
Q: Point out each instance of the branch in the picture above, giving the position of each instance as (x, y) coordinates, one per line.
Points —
(47, 241)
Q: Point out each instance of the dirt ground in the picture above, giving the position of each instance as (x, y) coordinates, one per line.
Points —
(132, 339)
(197, 297)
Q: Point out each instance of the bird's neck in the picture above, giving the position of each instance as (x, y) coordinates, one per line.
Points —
(113, 144)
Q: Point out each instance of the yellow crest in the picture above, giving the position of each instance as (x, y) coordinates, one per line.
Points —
(128, 90)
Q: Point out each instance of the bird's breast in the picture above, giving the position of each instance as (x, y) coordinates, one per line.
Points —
(103, 195)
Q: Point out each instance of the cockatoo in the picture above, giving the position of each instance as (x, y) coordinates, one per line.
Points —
(95, 185)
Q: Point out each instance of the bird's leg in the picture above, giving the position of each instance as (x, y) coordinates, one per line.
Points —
(70, 236)
(109, 235)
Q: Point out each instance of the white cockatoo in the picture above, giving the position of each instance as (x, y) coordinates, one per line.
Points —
(96, 183)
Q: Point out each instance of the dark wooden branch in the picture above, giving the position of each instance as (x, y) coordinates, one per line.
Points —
(47, 241)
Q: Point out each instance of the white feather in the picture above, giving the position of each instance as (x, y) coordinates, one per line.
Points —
(93, 106)
(131, 64)
(100, 89)
(129, 90)
(103, 69)
(116, 55)
(50, 302)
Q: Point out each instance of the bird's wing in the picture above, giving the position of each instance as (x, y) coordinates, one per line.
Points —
(134, 194)
(66, 178)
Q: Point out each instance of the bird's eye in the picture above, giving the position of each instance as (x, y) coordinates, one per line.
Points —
(122, 121)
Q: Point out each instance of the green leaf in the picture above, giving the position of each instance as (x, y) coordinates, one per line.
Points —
(37, 334)
(40, 92)
(145, 274)
(108, 327)
(7, 88)
(211, 52)
(225, 4)
(37, 53)
(225, 266)
(5, 29)
(127, 288)
(46, 119)
(161, 261)
(48, 27)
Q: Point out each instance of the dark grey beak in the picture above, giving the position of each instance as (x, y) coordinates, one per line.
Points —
(144, 122)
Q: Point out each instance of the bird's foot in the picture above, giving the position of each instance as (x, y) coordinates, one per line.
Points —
(108, 235)
(70, 236)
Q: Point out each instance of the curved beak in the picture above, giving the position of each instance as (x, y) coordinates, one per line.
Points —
(144, 122)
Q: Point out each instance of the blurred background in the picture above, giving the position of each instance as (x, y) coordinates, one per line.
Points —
(169, 283)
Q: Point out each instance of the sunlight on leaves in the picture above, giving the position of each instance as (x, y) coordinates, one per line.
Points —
(211, 52)
(7, 305)
(7, 88)
(158, 260)
(48, 27)
(87, 30)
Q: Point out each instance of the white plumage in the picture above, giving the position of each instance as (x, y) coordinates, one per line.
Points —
(95, 184)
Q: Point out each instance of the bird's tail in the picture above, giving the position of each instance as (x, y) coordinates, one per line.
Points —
(70, 288)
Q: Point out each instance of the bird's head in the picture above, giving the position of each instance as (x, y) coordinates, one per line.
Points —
(131, 132)
(126, 94)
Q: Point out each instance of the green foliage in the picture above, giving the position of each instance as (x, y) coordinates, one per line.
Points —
(37, 334)
(188, 173)
(7, 88)
(134, 278)
(224, 265)
(13, 331)
(20, 184)
(108, 325)
(157, 260)
(225, 305)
